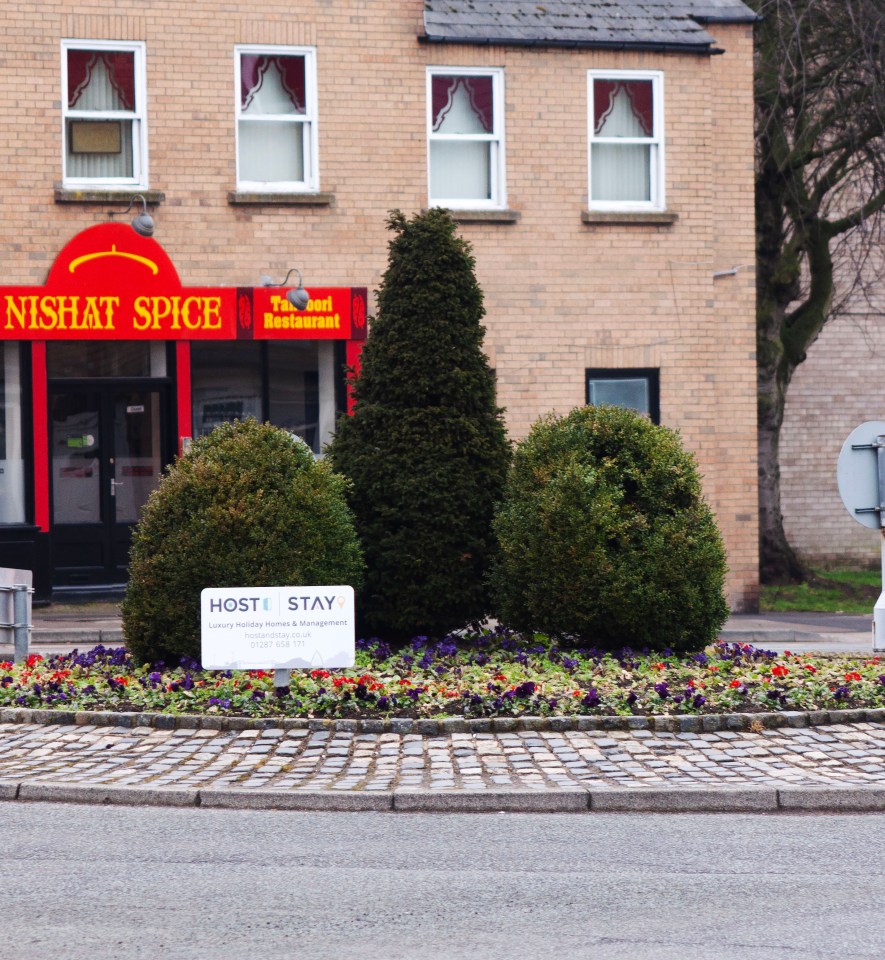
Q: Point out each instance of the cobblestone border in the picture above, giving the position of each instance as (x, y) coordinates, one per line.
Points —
(704, 723)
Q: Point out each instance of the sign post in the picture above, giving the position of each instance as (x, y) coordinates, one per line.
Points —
(861, 476)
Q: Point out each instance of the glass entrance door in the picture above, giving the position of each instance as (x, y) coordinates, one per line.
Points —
(107, 453)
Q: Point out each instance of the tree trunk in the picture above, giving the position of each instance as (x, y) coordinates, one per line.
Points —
(778, 562)
(782, 341)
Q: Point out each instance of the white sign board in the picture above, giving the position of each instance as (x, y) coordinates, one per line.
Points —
(277, 628)
(857, 473)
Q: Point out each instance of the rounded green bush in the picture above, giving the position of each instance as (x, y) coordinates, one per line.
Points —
(605, 537)
(248, 505)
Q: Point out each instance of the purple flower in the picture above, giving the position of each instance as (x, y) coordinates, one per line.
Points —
(699, 701)
(591, 699)
(662, 690)
(526, 689)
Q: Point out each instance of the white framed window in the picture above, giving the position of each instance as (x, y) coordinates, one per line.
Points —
(465, 134)
(626, 140)
(276, 110)
(104, 116)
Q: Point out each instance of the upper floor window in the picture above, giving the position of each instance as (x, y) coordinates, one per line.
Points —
(276, 119)
(626, 140)
(465, 129)
(103, 113)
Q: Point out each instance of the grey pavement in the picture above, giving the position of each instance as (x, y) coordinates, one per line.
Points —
(833, 766)
(60, 627)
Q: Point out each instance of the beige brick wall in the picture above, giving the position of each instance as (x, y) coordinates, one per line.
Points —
(561, 295)
(838, 387)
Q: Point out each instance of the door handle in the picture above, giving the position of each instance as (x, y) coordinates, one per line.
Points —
(114, 485)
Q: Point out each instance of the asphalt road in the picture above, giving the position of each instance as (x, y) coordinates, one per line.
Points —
(109, 883)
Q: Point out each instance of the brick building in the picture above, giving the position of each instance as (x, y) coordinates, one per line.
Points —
(598, 157)
(834, 390)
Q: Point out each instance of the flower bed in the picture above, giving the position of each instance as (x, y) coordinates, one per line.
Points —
(481, 674)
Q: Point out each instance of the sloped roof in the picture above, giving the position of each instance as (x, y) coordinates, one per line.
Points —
(630, 24)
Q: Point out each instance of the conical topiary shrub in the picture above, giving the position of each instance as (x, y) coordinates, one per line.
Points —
(426, 448)
(248, 505)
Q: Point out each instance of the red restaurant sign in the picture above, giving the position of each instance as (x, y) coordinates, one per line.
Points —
(109, 283)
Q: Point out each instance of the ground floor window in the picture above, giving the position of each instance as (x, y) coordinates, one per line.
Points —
(292, 384)
(12, 463)
(637, 389)
(121, 358)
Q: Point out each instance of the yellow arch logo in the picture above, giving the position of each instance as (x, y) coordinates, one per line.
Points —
(114, 252)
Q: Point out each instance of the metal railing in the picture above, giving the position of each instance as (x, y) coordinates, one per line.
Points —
(21, 618)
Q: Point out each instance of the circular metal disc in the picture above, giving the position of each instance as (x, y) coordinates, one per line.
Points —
(857, 473)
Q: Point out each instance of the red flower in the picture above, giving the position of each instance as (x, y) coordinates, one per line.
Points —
(499, 677)
(123, 681)
(319, 674)
(6, 665)
(735, 683)
(853, 676)
(657, 666)
(339, 682)
(33, 660)
(810, 668)
(779, 670)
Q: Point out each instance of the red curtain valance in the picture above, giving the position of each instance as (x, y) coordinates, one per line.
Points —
(478, 90)
(253, 68)
(119, 65)
(639, 93)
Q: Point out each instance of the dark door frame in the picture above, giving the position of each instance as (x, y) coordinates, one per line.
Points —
(112, 538)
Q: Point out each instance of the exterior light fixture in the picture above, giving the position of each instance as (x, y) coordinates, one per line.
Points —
(143, 224)
(299, 297)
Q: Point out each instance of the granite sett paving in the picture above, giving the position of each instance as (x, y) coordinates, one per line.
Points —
(839, 767)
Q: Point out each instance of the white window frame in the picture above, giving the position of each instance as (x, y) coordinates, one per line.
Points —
(138, 116)
(655, 142)
(497, 165)
(310, 159)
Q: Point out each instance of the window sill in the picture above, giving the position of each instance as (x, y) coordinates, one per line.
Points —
(641, 217)
(485, 216)
(239, 198)
(66, 195)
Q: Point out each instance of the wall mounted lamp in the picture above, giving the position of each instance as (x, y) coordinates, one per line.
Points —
(299, 297)
(143, 224)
